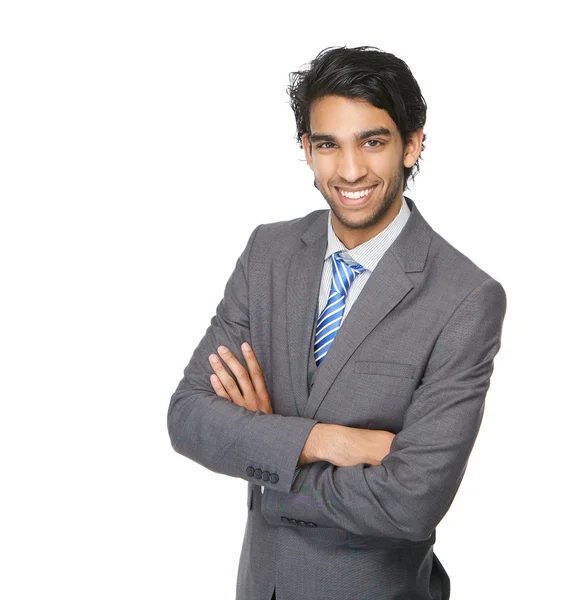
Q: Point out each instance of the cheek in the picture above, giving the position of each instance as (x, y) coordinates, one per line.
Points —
(324, 168)
(385, 163)
(391, 166)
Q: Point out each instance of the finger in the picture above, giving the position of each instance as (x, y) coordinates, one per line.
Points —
(238, 370)
(226, 380)
(218, 387)
(255, 372)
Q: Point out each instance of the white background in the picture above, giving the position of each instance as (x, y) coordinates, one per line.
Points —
(141, 143)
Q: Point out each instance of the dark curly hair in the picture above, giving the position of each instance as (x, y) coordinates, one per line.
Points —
(365, 72)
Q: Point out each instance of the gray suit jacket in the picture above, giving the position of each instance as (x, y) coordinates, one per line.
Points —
(414, 356)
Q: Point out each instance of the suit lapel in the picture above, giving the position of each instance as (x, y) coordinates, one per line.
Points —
(303, 286)
(387, 285)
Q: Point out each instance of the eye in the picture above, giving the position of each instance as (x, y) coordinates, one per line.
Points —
(375, 143)
(323, 144)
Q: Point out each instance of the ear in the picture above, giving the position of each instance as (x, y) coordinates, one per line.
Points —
(307, 147)
(413, 148)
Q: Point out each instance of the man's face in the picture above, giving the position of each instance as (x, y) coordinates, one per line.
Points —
(355, 147)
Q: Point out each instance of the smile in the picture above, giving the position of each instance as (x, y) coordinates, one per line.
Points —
(354, 198)
(353, 195)
(356, 195)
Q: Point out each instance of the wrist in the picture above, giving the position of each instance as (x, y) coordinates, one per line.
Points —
(320, 444)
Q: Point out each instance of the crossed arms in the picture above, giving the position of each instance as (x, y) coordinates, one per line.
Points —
(406, 495)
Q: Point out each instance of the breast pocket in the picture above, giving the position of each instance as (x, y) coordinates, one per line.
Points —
(380, 392)
(389, 369)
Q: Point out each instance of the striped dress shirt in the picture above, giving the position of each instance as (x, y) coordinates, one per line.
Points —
(367, 254)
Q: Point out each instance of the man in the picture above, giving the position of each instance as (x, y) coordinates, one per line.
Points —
(354, 409)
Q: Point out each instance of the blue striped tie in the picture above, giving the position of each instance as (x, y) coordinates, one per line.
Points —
(344, 271)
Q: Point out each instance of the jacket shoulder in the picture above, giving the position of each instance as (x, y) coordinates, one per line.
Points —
(279, 235)
(458, 270)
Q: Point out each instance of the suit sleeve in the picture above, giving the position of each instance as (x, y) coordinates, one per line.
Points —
(410, 492)
(216, 433)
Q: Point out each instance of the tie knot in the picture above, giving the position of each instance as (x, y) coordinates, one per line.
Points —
(347, 260)
(345, 269)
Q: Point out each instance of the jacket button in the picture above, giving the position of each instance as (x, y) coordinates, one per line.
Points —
(258, 473)
(265, 475)
(293, 521)
(311, 524)
(284, 519)
(274, 478)
(302, 523)
(250, 471)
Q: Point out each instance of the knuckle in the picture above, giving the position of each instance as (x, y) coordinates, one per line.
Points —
(231, 385)
(242, 376)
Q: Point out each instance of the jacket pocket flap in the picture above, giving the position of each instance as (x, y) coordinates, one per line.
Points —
(368, 542)
(385, 368)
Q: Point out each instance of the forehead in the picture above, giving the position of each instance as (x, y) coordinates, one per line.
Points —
(340, 116)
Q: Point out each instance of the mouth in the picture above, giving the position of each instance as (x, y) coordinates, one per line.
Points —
(354, 198)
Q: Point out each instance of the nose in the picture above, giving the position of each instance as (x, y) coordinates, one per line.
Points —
(351, 166)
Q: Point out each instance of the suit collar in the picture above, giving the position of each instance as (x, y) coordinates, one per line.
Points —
(410, 246)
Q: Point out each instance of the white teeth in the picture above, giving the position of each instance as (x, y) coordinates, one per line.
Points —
(354, 195)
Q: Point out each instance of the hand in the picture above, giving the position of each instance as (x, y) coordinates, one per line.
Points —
(251, 392)
(354, 446)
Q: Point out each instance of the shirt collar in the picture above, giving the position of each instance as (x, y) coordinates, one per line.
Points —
(369, 253)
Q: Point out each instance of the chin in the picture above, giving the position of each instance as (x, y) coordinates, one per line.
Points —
(349, 219)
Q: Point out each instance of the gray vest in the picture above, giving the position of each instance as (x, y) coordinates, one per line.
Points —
(312, 367)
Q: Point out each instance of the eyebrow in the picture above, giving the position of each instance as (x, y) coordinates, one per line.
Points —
(361, 135)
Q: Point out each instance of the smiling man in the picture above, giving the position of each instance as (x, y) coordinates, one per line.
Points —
(345, 371)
